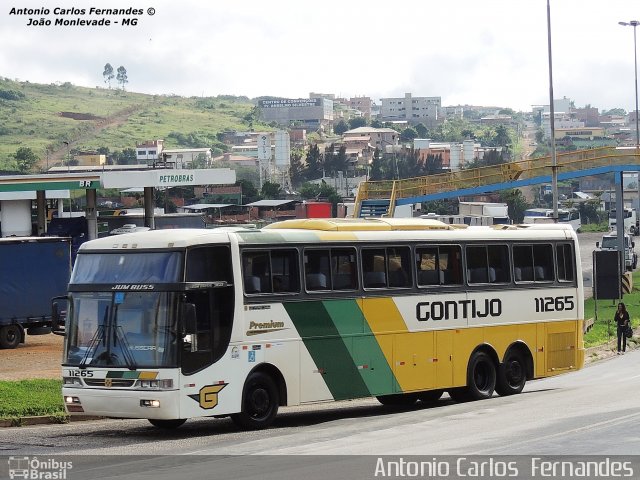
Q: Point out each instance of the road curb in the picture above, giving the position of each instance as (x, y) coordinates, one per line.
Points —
(45, 420)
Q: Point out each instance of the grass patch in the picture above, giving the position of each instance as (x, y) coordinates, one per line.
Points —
(604, 329)
(594, 227)
(25, 398)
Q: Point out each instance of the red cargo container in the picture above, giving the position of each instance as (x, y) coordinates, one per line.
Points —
(313, 210)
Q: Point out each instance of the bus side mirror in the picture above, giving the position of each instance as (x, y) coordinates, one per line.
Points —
(597, 244)
(189, 319)
(58, 316)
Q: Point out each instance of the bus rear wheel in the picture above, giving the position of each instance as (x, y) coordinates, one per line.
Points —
(481, 379)
(167, 424)
(398, 399)
(259, 403)
(512, 375)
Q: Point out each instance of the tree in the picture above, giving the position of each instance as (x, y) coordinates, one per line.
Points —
(377, 166)
(108, 74)
(270, 191)
(314, 163)
(502, 138)
(340, 127)
(408, 134)
(25, 159)
(296, 168)
(421, 130)
(122, 76)
(357, 122)
(516, 204)
(249, 191)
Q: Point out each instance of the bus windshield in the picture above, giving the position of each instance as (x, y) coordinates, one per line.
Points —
(122, 329)
(127, 267)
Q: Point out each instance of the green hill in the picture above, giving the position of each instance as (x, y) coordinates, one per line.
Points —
(43, 117)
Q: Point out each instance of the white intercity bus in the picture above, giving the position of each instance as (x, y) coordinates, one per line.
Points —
(174, 324)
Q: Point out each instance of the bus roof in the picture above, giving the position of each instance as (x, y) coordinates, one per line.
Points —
(360, 224)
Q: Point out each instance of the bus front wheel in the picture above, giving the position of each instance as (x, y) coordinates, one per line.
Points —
(167, 424)
(512, 375)
(259, 403)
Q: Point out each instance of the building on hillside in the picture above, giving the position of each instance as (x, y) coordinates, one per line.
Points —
(249, 161)
(362, 104)
(90, 159)
(589, 115)
(310, 113)
(453, 112)
(454, 155)
(149, 151)
(228, 194)
(377, 137)
(187, 157)
(562, 120)
(410, 109)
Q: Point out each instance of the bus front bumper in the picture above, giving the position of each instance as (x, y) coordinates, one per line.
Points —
(163, 405)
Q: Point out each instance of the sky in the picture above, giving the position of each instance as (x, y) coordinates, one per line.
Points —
(475, 52)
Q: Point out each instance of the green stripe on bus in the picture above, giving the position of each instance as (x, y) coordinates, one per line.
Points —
(363, 346)
(327, 348)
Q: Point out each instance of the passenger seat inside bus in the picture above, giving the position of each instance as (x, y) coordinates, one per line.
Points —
(316, 281)
(252, 284)
(479, 275)
(375, 280)
(430, 277)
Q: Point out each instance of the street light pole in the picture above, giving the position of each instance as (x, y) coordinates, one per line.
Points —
(634, 24)
(554, 161)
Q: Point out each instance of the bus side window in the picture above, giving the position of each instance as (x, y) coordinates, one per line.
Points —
(488, 264)
(317, 269)
(256, 272)
(284, 268)
(209, 264)
(343, 269)
(564, 260)
(374, 268)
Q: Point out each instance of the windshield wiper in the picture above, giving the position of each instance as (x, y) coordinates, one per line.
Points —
(126, 348)
(93, 345)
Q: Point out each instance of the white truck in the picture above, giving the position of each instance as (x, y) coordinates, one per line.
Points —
(630, 221)
(610, 242)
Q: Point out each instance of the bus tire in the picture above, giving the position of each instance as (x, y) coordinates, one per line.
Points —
(398, 399)
(430, 396)
(260, 401)
(512, 375)
(167, 424)
(10, 336)
(481, 376)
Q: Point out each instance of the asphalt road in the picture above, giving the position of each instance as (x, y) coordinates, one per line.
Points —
(586, 412)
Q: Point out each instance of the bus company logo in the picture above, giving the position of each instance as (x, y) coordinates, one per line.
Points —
(257, 328)
(454, 310)
(132, 287)
(207, 397)
(35, 468)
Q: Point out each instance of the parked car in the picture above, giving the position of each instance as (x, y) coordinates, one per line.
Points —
(610, 242)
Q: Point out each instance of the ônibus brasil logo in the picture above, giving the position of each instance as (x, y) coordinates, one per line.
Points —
(38, 469)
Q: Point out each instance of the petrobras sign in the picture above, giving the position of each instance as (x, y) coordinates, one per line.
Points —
(169, 178)
(176, 179)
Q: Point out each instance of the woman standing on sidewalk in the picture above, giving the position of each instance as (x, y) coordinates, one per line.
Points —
(622, 320)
